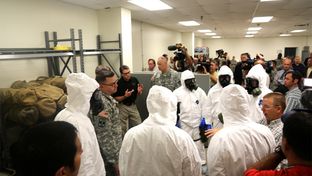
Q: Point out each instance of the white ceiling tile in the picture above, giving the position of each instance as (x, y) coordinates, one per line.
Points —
(229, 18)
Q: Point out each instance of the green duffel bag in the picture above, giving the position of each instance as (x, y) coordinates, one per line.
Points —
(19, 84)
(48, 91)
(61, 102)
(25, 97)
(46, 108)
(58, 82)
(23, 115)
(6, 95)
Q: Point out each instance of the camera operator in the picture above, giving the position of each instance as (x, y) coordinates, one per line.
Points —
(182, 60)
(242, 68)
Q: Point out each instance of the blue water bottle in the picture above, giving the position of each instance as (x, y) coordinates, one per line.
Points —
(202, 128)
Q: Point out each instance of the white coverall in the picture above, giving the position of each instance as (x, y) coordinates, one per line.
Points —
(80, 88)
(191, 110)
(258, 72)
(241, 142)
(213, 99)
(157, 147)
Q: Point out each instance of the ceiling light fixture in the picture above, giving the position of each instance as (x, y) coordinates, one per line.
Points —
(251, 32)
(216, 36)
(269, 0)
(263, 19)
(151, 5)
(285, 35)
(254, 28)
(204, 30)
(210, 34)
(298, 30)
(249, 36)
(189, 23)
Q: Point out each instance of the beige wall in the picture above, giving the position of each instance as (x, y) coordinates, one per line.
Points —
(150, 41)
(23, 24)
(267, 46)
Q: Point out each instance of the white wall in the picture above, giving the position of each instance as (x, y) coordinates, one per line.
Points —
(188, 40)
(267, 46)
(112, 22)
(198, 42)
(149, 41)
(23, 24)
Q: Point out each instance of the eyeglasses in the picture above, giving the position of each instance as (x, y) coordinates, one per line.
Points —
(269, 107)
(126, 73)
(111, 84)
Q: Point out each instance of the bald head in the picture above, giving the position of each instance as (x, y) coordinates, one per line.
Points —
(162, 64)
(286, 63)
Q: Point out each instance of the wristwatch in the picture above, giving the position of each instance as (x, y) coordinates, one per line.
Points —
(278, 150)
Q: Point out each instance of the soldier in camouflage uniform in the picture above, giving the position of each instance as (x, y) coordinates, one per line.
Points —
(166, 76)
(107, 124)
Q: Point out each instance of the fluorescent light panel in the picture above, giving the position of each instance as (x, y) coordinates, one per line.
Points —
(151, 5)
(285, 35)
(216, 36)
(263, 19)
(204, 30)
(298, 30)
(269, 0)
(248, 36)
(189, 23)
(251, 32)
(210, 34)
(254, 28)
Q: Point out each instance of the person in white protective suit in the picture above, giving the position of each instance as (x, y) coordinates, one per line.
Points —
(256, 86)
(225, 77)
(191, 99)
(157, 147)
(80, 88)
(240, 142)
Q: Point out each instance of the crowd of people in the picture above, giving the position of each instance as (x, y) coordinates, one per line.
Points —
(261, 122)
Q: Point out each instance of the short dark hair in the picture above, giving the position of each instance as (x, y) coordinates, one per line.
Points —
(45, 148)
(122, 68)
(100, 68)
(152, 61)
(278, 99)
(247, 54)
(295, 75)
(102, 75)
(297, 131)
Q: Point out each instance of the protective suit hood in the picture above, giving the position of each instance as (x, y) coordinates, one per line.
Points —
(80, 88)
(186, 75)
(225, 70)
(258, 72)
(162, 106)
(234, 105)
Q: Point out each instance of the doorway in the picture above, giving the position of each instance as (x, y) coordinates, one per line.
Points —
(290, 52)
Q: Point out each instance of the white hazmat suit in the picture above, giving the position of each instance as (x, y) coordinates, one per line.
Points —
(212, 108)
(157, 147)
(241, 142)
(258, 72)
(191, 110)
(80, 88)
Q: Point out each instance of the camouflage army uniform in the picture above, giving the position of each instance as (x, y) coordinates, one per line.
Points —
(171, 79)
(108, 130)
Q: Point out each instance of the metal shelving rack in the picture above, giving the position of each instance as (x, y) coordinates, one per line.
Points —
(100, 43)
(53, 62)
(55, 56)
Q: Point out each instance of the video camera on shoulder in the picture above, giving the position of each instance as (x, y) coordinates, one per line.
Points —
(179, 56)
